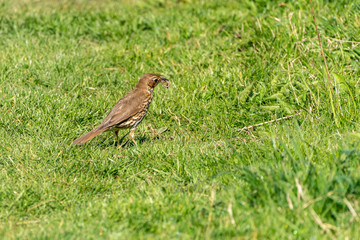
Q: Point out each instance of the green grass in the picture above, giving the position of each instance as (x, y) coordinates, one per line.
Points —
(64, 64)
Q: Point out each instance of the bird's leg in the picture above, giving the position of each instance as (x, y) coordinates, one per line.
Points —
(117, 137)
(153, 131)
(132, 133)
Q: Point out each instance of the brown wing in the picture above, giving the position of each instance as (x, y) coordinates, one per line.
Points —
(125, 108)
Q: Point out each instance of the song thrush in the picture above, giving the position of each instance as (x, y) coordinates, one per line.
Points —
(130, 110)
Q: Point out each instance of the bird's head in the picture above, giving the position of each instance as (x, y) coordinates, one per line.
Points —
(151, 80)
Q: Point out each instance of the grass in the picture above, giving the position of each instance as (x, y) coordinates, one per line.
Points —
(231, 64)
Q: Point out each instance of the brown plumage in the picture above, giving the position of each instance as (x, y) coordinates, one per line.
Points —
(129, 111)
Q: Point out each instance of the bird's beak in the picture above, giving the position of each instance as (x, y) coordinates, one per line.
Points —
(165, 82)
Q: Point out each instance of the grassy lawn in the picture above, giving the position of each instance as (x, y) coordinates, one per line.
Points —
(64, 64)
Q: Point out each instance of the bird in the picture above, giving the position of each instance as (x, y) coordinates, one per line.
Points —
(129, 111)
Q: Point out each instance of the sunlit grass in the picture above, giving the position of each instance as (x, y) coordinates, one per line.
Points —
(64, 64)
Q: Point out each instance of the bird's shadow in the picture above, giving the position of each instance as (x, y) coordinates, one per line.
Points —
(125, 141)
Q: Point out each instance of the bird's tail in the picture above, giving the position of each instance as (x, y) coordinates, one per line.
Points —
(90, 135)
